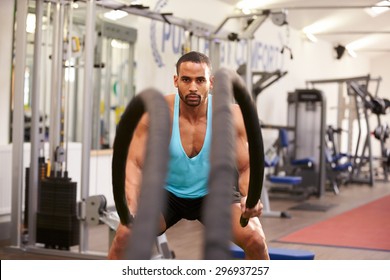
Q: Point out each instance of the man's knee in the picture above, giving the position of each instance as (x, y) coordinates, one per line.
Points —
(255, 245)
(119, 243)
(256, 240)
(122, 237)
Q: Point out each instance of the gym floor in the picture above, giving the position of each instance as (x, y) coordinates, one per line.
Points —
(186, 237)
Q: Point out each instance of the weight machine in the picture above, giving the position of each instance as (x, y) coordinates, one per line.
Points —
(356, 106)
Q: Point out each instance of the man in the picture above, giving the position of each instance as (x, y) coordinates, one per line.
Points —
(189, 165)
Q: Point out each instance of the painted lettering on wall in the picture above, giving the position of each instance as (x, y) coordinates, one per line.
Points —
(168, 39)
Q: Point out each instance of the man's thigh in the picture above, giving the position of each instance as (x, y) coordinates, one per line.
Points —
(242, 234)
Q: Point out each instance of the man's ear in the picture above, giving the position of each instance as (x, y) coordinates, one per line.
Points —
(211, 82)
(175, 79)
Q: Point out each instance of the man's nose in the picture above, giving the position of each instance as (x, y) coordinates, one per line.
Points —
(193, 86)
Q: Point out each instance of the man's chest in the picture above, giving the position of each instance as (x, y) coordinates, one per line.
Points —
(192, 136)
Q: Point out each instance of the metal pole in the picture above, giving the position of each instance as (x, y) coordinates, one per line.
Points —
(35, 139)
(68, 83)
(56, 86)
(53, 100)
(45, 70)
(107, 93)
(215, 54)
(87, 115)
(248, 72)
(96, 131)
(131, 72)
(18, 122)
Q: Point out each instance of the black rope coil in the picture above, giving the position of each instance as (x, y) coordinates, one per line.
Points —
(217, 212)
(154, 170)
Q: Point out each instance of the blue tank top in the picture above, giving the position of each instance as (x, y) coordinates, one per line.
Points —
(187, 177)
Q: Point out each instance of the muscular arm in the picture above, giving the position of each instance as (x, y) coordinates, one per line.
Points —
(242, 158)
(135, 160)
(242, 154)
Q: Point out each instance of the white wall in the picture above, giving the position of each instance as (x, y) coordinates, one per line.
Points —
(166, 41)
(6, 31)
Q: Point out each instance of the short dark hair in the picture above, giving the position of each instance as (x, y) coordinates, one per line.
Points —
(195, 57)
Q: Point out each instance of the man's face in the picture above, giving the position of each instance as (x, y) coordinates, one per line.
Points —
(193, 82)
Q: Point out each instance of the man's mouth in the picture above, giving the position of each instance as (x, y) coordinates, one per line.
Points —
(193, 97)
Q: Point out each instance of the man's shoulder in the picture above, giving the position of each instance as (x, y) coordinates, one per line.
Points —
(237, 115)
(170, 98)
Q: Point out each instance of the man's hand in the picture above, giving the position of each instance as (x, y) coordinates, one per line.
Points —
(247, 213)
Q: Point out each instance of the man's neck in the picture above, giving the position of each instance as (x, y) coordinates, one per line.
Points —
(193, 114)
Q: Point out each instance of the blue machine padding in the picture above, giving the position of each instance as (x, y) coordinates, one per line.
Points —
(283, 138)
(276, 253)
(271, 162)
(340, 156)
(287, 180)
(342, 167)
(303, 161)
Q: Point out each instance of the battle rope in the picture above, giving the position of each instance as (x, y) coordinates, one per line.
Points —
(217, 214)
(154, 172)
(218, 218)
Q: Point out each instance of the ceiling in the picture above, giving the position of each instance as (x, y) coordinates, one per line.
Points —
(344, 23)
(339, 22)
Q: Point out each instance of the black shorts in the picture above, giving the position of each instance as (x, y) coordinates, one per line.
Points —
(178, 208)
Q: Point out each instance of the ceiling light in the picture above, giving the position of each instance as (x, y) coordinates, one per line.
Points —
(252, 4)
(311, 37)
(377, 10)
(351, 52)
(246, 11)
(322, 25)
(115, 14)
(364, 42)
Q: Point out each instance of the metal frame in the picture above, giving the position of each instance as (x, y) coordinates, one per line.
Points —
(351, 83)
(312, 178)
(110, 31)
(18, 124)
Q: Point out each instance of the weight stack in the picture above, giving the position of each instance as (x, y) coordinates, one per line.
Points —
(57, 223)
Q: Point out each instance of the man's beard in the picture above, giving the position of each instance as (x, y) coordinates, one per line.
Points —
(191, 99)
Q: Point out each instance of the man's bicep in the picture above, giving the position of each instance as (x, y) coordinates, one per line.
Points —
(242, 153)
(134, 164)
(242, 162)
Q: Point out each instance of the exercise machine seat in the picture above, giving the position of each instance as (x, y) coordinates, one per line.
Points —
(277, 253)
(309, 162)
(342, 167)
(286, 180)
